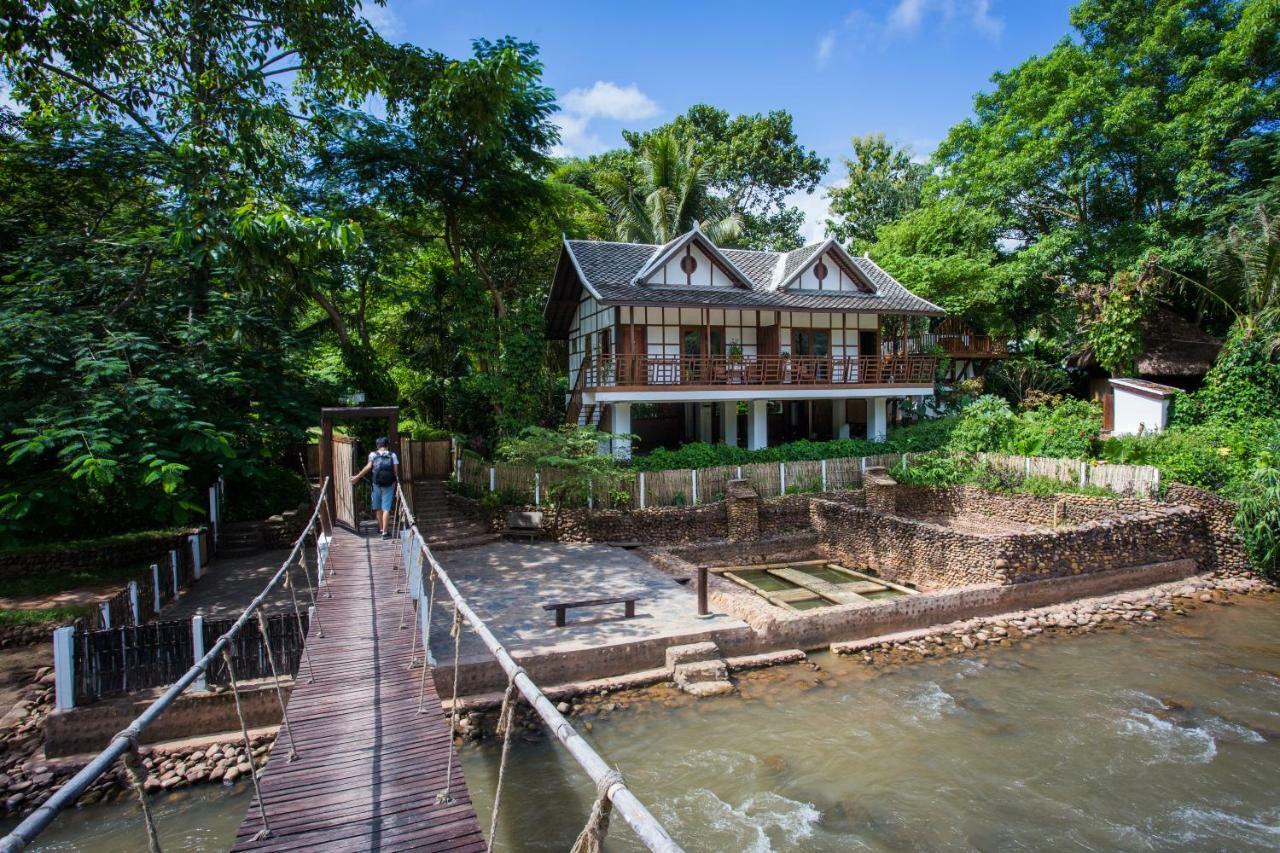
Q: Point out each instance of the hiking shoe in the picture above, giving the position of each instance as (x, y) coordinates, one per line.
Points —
(386, 535)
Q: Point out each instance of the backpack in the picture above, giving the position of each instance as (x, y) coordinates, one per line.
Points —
(384, 469)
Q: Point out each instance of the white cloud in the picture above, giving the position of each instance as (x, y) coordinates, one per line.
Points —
(814, 207)
(604, 100)
(381, 18)
(825, 46)
(907, 16)
(609, 100)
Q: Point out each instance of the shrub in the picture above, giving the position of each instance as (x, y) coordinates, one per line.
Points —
(1068, 430)
(926, 435)
(983, 425)
(255, 494)
(1018, 378)
(1259, 520)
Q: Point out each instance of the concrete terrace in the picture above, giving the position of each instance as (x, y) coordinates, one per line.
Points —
(508, 583)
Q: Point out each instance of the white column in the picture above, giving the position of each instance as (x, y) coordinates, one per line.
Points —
(704, 423)
(64, 675)
(758, 425)
(729, 415)
(197, 646)
(877, 419)
(622, 426)
(839, 426)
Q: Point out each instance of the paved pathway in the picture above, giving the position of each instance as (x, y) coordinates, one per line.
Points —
(369, 766)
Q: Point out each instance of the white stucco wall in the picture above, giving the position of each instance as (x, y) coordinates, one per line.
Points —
(1136, 413)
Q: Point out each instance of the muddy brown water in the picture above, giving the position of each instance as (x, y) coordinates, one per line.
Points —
(1156, 738)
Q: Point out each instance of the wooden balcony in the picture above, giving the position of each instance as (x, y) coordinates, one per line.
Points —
(678, 372)
(955, 344)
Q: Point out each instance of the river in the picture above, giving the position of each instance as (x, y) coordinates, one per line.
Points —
(1154, 738)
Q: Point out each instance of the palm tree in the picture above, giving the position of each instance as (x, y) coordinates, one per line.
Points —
(1246, 274)
(670, 199)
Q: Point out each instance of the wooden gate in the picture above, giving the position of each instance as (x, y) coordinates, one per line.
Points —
(344, 467)
(426, 460)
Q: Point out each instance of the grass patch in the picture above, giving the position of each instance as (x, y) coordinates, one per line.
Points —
(40, 617)
(51, 584)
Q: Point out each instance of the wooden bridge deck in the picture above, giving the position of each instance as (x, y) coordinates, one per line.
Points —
(369, 766)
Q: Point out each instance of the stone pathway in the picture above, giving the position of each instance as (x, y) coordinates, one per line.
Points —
(230, 583)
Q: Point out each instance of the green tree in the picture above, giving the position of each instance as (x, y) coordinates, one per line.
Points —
(671, 197)
(203, 84)
(882, 184)
(754, 162)
(1143, 132)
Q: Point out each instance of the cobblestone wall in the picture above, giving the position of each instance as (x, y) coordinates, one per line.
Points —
(934, 556)
(34, 562)
(1042, 511)
(1220, 515)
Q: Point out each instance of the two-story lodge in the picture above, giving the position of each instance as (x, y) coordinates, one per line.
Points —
(688, 341)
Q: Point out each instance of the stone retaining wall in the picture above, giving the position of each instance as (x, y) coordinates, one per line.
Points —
(35, 562)
(668, 525)
(192, 714)
(1220, 520)
(932, 556)
(1041, 511)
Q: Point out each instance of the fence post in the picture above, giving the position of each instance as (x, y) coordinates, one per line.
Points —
(195, 555)
(213, 513)
(824, 475)
(1026, 466)
(493, 478)
(134, 604)
(64, 671)
(642, 490)
(693, 482)
(173, 567)
(739, 472)
(197, 646)
(537, 489)
(104, 611)
(782, 478)
(862, 465)
(155, 586)
(591, 494)
(1084, 473)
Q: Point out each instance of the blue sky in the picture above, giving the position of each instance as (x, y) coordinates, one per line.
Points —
(908, 68)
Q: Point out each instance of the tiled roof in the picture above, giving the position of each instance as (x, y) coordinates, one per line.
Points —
(609, 269)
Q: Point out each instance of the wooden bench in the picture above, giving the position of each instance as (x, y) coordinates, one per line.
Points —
(561, 606)
(523, 525)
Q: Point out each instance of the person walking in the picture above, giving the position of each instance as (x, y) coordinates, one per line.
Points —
(385, 468)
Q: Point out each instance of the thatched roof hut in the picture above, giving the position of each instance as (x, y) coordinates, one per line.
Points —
(1174, 351)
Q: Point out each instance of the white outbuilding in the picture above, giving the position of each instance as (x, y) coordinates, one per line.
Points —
(1139, 406)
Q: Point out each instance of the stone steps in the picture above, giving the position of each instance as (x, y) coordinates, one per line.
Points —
(699, 670)
(444, 527)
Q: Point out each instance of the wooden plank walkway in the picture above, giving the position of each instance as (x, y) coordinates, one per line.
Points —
(369, 766)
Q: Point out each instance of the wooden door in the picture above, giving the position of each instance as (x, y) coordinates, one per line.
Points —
(1109, 411)
(344, 467)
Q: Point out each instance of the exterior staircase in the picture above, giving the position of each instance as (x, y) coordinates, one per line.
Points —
(241, 538)
(444, 527)
(589, 415)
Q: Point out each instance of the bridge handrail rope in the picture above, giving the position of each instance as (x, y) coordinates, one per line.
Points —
(124, 743)
(611, 787)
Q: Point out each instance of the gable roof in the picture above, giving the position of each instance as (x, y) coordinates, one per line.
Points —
(665, 253)
(794, 266)
(608, 271)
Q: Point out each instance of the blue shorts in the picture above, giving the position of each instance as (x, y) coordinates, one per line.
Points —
(383, 497)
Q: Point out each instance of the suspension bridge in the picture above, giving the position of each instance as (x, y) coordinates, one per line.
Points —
(365, 758)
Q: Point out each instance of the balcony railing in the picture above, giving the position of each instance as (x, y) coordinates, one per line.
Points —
(962, 344)
(616, 371)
